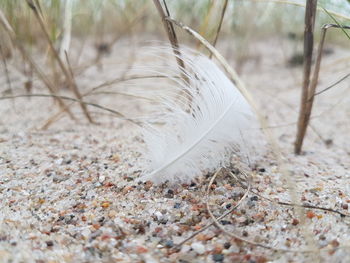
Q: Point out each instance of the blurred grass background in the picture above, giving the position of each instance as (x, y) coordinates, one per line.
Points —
(103, 23)
(113, 18)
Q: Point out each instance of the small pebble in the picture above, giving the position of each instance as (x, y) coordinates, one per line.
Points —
(163, 221)
(169, 244)
(49, 243)
(335, 243)
(199, 248)
(322, 237)
(218, 257)
(59, 178)
(262, 170)
(95, 234)
(254, 198)
(59, 161)
(158, 215)
(295, 222)
(101, 178)
(169, 194)
(105, 204)
(225, 222)
(86, 232)
(310, 214)
(227, 245)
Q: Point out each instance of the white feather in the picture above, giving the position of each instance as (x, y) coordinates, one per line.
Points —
(183, 144)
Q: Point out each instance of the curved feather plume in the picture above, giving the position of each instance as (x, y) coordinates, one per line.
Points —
(190, 136)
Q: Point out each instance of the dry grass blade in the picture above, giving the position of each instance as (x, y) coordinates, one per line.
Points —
(54, 118)
(92, 91)
(291, 204)
(314, 81)
(65, 71)
(310, 16)
(337, 23)
(314, 207)
(34, 66)
(333, 85)
(121, 94)
(118, 114)
(8, 80)
(75, 89)
(311, 91)
(169, 29)
(123, 79)
(220, 24)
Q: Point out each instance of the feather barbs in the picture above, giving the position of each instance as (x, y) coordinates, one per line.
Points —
(203, 138)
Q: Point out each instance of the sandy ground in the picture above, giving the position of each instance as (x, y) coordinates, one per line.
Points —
(68, 194)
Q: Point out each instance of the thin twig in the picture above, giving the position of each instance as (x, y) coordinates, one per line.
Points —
(318, 63)
(334, 84)
(315, 207)
(311, 92)
(314, 81)
(310, 16)
(290, 204)
(122, 79)
(338, 25)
